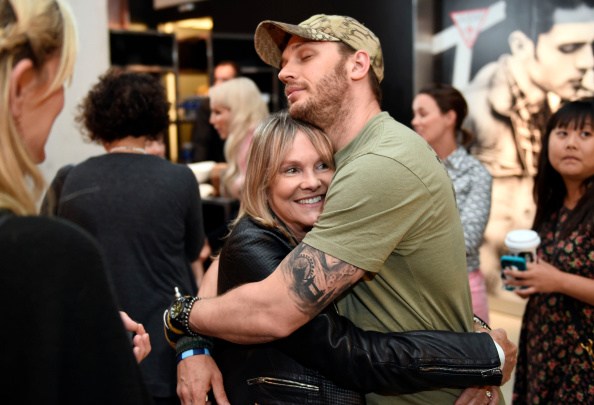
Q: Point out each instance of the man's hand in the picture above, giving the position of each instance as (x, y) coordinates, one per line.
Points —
(196, 375)
(479, 395)
(509, 349)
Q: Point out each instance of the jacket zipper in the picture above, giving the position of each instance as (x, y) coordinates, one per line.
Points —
(281, 382)
(484, 373)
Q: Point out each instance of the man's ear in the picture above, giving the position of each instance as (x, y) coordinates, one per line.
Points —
(22, 78)
(520, 45)
(361, 65)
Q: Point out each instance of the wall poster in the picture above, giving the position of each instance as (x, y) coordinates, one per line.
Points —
(515, 62)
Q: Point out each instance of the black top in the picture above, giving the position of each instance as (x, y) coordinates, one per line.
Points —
(63, 341)
(250, 254)
(206, 141)
(146, 214)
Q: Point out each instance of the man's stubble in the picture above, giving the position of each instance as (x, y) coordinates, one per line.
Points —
(328, 105)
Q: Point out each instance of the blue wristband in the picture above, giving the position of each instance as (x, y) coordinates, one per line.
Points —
(191, 352)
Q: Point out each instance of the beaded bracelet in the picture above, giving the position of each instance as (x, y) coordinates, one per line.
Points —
(186, 316)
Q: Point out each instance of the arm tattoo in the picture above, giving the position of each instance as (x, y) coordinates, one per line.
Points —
(315, 279)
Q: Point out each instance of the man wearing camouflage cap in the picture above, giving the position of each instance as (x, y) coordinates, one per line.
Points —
(390, 232)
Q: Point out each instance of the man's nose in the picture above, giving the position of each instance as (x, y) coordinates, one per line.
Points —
(287, 73)
(585, 57)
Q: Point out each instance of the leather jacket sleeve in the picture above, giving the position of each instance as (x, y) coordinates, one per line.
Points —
(393, 363)
(365, 361)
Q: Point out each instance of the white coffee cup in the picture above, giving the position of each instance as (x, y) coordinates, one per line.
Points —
(523, 243)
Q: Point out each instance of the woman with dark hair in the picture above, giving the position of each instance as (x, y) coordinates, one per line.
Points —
(555, 363)
(143, 210)
(439, 111)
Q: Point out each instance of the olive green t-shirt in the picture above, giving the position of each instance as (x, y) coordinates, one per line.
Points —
(391, 210)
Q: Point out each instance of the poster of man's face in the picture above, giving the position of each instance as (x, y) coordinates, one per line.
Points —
(563, 59)
(515, 62)
(555, 39)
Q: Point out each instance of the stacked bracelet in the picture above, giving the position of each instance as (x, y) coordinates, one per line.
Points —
(191, 352)
(480, 322)
(193, 342)
(185, 317)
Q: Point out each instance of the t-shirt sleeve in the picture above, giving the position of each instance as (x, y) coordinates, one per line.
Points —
(374, 206)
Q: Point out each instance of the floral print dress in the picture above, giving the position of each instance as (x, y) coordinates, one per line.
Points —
(552, 366)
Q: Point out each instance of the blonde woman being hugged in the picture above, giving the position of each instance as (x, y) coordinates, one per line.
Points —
(63, 340)
(237, 107)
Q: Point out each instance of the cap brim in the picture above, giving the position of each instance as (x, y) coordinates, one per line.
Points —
(271, 38)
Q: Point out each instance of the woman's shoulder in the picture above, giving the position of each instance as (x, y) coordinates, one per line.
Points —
(49, 234)
(250, 227)
(473, 165)
(249, 235)
(179, 170)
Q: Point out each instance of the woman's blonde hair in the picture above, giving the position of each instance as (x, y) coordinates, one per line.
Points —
(247, 108)
(37, 30)
(271, 143)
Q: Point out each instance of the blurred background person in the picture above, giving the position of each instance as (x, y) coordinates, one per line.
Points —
(236, 107)
(553, 366)
(144, 210)
(207, 144)
(510, 101)
(52, 270)
(439, 111)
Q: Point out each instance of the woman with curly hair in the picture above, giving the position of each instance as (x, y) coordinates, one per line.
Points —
(145, 211)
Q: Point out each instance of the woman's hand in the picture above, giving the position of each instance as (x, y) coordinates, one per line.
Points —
(478, 396)
(142, 343)
(540, 277)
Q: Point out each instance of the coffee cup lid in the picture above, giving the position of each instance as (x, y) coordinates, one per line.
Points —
(522, 239)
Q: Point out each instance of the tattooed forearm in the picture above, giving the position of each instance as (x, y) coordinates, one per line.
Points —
(315, 279)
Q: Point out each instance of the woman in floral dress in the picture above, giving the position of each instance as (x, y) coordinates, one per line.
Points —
(553, 366)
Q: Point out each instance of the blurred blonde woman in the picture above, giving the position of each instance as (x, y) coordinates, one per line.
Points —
(70, 344)
(237, 107)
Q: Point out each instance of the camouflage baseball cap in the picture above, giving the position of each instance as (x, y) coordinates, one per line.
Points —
(272, 37)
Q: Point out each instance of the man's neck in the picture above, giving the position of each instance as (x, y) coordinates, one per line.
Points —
(532, 92)
(344, 130)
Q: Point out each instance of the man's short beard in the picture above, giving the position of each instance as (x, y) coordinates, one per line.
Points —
(325, 108)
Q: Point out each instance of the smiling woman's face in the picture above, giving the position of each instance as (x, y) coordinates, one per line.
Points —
(299, 189)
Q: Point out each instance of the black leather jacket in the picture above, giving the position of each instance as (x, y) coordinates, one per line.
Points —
(343, 354)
